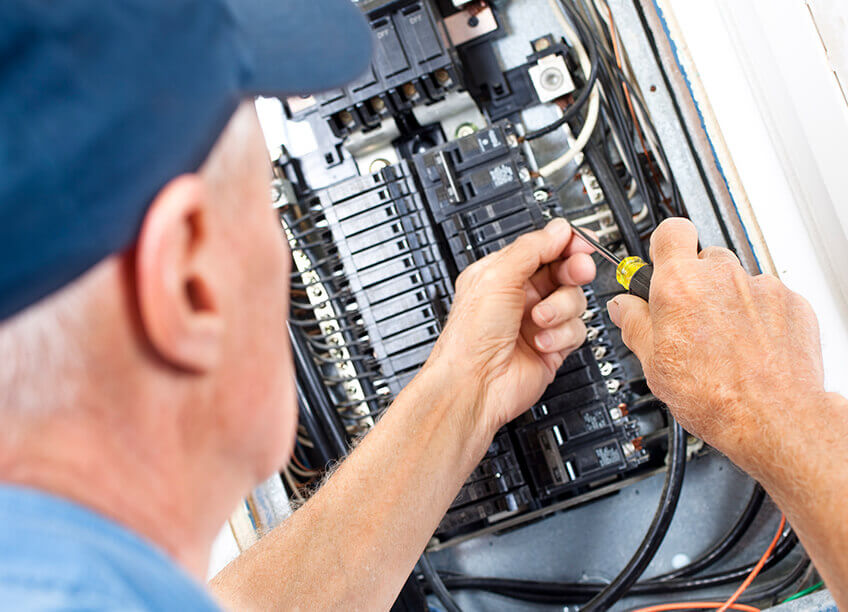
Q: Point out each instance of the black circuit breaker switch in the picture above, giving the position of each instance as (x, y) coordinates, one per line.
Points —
(418, 31)
(481, 169)
(389, 57)
(411, 65)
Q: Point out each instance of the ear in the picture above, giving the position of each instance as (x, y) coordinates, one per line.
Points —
(175, 280)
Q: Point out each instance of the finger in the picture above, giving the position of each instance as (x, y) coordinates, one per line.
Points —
(674, 238)
(718, 253)
(564, 337)
(579, 269)
(579, 244)
(563, 304)
(631, 314)
(521, 259)
(543, 282)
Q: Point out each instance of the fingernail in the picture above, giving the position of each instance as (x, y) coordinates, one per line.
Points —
(614, 311)
(544, 341)
(545, 313)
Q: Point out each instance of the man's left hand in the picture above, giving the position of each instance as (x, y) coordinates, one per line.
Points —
(515, 318)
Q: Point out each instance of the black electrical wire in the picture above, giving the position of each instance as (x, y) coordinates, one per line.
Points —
(727, 542)
(615, 116)
(316, 229)
(316, 392)
(568, 179)
(571, 112)
(318, 263)
(323, 346)
(368, 398)
(341, 292)
(344, 293)
(775, 588)
(669, 497)
(783, 548)
(431, 576)
(566, 592)
(620, 119)
(369, 376)
(338, 380)
(321, 280)
(353, 327)
(616, 197)
(358, 418)
(313, 427)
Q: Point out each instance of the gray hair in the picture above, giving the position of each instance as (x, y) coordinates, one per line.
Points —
(40, 356)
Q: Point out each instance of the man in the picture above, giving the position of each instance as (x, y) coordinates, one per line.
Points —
(147, 378)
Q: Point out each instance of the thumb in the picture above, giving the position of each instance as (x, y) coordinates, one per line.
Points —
(631, 314)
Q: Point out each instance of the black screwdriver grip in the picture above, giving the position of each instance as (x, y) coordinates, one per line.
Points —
(640, 283)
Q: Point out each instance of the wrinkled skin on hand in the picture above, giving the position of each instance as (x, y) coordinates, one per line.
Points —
(515, 318)
(720, 347)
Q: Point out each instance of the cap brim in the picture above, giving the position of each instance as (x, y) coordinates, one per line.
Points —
(303, 46)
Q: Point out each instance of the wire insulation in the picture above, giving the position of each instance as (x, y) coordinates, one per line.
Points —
(757, 568)
(438, 587)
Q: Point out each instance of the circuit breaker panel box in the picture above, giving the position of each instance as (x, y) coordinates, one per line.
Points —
(399, 237)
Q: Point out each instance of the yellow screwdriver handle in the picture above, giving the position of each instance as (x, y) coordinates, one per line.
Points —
(634, 274)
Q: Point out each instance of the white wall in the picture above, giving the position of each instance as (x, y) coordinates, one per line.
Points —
(776, 100)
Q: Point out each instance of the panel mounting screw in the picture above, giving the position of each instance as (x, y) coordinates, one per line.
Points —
(540, 195)
(409, 91)
(465, 129)
(378, 164)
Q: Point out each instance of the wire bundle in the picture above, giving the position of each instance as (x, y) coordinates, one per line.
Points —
(325, 310)
(675, 582)
(621, 120)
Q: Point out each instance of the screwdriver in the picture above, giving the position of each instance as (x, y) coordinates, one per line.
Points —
(632, 273)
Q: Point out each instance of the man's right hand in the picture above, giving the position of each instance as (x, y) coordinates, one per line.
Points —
(728, 353)
(737, 359)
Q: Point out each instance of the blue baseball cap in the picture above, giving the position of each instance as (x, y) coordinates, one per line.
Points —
(102, 103)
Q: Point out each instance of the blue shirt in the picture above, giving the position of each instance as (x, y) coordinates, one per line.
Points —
(57, 555)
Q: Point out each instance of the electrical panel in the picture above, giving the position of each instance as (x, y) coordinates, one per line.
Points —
(399, 238)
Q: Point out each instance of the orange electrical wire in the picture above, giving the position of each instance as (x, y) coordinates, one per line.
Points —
(697, 605)
(757, 567)
(730, 603)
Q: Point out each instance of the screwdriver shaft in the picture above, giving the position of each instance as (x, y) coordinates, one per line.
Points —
(604, 252)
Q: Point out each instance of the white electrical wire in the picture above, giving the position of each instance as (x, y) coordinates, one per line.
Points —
(640, 216)
(594, 99)
(604, 214)
(606, 231)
